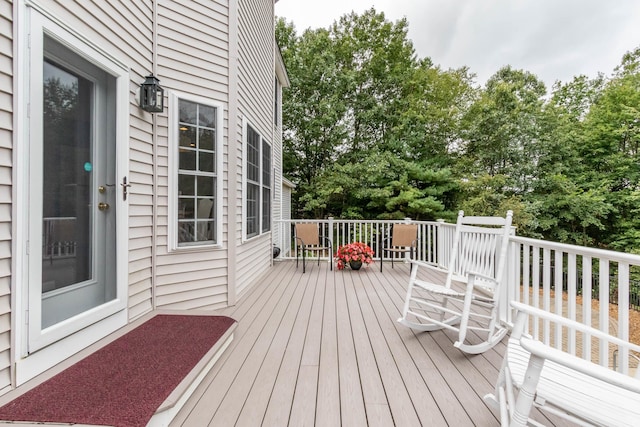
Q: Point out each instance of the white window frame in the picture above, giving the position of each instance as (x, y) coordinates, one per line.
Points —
(261, 185)
(173, 154)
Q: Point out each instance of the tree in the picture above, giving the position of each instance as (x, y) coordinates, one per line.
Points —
(358, 94)
(379, 186)
(610, 157)
(312, 108)
(377, 61)
(503, 129)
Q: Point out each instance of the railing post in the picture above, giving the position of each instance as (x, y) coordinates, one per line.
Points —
(406, 255)
(439, 243)
(332, 236)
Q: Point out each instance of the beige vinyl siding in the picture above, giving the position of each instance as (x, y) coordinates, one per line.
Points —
(277, 210)
(6, 138)
(124, 29)
(255, 102)
(193, 60)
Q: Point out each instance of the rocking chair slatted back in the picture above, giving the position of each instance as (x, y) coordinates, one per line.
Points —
(479, 249)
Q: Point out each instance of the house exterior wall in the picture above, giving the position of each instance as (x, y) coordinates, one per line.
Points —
(281, 208)
(6, 162)
(193, 59)
(217, 50)
(256, 42)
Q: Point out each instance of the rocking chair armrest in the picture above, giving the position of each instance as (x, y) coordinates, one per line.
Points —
(427, 264)
(583, 366)
(490, 283)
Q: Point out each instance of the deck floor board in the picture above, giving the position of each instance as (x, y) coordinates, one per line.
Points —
(324, 348)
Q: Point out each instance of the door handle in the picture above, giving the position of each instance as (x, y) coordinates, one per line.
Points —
(125, 186)
(103, 206)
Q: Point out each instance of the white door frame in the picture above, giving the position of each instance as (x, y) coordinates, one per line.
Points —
(102, 320)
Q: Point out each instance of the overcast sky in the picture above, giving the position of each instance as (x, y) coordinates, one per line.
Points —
(553, 39)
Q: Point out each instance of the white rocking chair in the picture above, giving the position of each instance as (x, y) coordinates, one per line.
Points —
(560, 383)
(477, 259)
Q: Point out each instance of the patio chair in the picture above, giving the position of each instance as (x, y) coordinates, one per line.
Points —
(560, 383)
(403, 240)
(308, 238)
(477, 260)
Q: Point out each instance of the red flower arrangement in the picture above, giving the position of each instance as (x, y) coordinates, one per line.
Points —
(357, 251)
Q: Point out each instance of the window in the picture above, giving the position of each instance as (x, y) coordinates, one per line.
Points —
(266, 186)
(257, 184)
(196, 165)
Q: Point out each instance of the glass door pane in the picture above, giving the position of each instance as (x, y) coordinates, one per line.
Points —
(67, 179)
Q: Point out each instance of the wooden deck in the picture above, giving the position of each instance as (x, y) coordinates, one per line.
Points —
(324, 349)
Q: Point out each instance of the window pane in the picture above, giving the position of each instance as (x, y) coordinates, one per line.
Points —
(266, 209)
(206, 162)
(207, 116)
(253, 193)
(187, 136)
(185, 232)
(205, 186)
(186, 208)
(205, 208)
(253, 155)
(206, 139)
(205, 231)
(188, 112)
(187, 159)
(186, 185)
(266, 164)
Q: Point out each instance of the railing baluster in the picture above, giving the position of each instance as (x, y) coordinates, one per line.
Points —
(557, 285)
(604, 308)
(586, 304)
(571, 299)
(535, 289)
(623, 313)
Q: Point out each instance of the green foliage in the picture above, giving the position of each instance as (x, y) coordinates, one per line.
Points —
(378, 186)
(373, 131)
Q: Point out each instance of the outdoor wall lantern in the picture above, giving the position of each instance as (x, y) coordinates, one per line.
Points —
(151, 95)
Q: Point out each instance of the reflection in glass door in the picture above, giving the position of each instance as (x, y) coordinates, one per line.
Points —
(78, 191)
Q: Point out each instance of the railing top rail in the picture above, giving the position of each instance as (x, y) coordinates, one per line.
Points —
(580, 250)
(360, 221)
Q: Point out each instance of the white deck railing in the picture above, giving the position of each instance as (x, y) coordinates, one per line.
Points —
(595, 283)
(367, 231)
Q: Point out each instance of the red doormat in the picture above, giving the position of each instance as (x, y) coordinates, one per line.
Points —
(123, 383)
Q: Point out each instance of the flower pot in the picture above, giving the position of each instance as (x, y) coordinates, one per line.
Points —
(355, 265)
